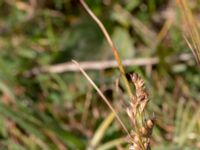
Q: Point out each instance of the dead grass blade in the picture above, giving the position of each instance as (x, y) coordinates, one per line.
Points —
(192, 36)
(111, 44)
(102, 96)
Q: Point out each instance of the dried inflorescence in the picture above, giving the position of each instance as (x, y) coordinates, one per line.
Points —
(142, 129)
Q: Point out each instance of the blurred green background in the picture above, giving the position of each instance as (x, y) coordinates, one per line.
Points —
(62, 110)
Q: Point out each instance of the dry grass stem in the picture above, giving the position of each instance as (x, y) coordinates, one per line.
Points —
(102, 65)
(102, 96)
(192, 38)
(111, 44)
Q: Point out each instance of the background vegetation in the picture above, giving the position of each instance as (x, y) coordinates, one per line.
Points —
(62, 110)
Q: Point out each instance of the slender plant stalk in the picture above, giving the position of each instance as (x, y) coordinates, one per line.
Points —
(111, 44)
(112, 144)
(100, 132)
(102, 96)
(193, 38)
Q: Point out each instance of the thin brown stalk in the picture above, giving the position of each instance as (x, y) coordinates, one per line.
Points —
(193, 38)
(111, 44)
(102, 96)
